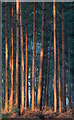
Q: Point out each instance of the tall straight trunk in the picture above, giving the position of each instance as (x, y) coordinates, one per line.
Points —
(43, 82)
(6, 62)
(41, 61)
(26, 83)
(19, 68)
(17, 49)
(33, 64)
(11, 93)
(69, 73)
(54, 27)
(49, 56)
(22, 62)
(63, 62)
(59, 84)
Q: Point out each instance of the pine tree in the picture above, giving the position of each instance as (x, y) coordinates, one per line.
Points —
(63, 61)
(11, 94)
(41, 62)
(54, 27)
(26, 83)
(33, 64)
(22, 62)
(59, 82)
(17, 48)
(6, 63)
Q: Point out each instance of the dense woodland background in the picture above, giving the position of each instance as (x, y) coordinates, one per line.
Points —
(27, 30)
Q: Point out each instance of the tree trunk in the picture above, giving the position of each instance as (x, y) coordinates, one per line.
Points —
(54, 27)
(19, 69)
(11, 93)
(22, 62)
(6, 62)
(17, 49)
(41, 61)
(49, 56)
(26, 83)
(63, 62)
(69, 73)
(43, 82)
(59, 83)
(33, 64)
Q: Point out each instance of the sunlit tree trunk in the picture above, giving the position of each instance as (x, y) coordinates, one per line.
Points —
(33, 64)
(59, 83)
(17, 48)
(54, 27)
(11, 93)
(63, 62)
(26, 83)
(22, 62)
(41, 61)
(69, 73)
(6, 62)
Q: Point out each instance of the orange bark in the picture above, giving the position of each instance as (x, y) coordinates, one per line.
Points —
(22, 62)
(41, 62)
(54, 27)
(33, 64)
(6, 61)
(17, 49)
(26, 83)
(11, 93)
(59, 84)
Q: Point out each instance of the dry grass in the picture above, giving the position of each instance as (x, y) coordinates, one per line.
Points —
(49, 114)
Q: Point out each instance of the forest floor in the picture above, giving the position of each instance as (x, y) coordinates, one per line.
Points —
(42, 115)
